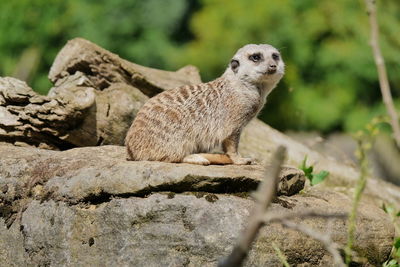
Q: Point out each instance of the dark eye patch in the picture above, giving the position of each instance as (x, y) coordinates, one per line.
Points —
(275, 56)
(255, 57)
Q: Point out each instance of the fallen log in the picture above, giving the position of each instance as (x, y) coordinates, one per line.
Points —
(95, 97)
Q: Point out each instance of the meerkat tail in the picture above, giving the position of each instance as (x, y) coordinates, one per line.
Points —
(207, 159)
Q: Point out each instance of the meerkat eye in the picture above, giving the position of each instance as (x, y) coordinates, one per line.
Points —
(255, 57)
(275, 56)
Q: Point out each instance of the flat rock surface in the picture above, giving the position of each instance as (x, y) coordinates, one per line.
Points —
(90, 207)
(86, 174)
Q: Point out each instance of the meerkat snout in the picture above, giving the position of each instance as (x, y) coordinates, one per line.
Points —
(182, 124)
(271, 68)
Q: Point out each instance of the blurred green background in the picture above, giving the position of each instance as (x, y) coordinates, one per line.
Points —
(330, 84)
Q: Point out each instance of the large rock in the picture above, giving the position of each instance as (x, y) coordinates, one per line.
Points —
(260, 140)
(182, 230)
(91, 207)
(12, 251)
(382, 157)
(92, 173)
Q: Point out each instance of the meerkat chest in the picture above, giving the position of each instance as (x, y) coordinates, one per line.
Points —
(251, 103)
(243, 106)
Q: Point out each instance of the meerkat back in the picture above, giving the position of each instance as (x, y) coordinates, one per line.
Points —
(176, 123)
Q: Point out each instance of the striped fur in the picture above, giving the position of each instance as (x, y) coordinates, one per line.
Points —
(196, 118)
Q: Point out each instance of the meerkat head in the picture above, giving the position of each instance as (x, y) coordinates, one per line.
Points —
(257, 63)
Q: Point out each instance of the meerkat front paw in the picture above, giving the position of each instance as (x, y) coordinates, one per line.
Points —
(196, 159)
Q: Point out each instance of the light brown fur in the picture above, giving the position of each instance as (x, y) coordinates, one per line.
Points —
(178, 124)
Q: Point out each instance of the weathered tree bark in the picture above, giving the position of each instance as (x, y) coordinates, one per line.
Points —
(95, 97)
(30, 119)
(104, 68)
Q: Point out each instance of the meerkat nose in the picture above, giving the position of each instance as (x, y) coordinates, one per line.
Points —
(271, 68)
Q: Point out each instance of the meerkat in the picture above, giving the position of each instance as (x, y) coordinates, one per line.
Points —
(183, 124)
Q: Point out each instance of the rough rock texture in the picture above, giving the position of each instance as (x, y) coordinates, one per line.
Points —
(181, 230)
(260, 140)
(91, 207)
(93, 173)
(383, 156)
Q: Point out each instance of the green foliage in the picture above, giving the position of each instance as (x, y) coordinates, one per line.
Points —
(390, 209)
(330, 71)
(391, 263)
(330, 82)
(141, 31)
(315, 178)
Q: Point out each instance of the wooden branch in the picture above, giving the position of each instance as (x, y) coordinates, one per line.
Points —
(31, 119)
(380, 65)
(104, 68)
(266, 192)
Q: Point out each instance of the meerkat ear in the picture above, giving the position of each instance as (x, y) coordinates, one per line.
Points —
(235, 65)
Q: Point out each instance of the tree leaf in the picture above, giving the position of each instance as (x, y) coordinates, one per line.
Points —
(307, 170)
(397, 243)
(319, 177)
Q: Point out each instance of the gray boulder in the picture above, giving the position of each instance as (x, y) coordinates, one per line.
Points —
(182, 230)
(91, 207)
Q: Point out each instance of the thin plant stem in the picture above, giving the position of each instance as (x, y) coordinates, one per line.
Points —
(363, 146)
(380, 65)
(280, 255)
